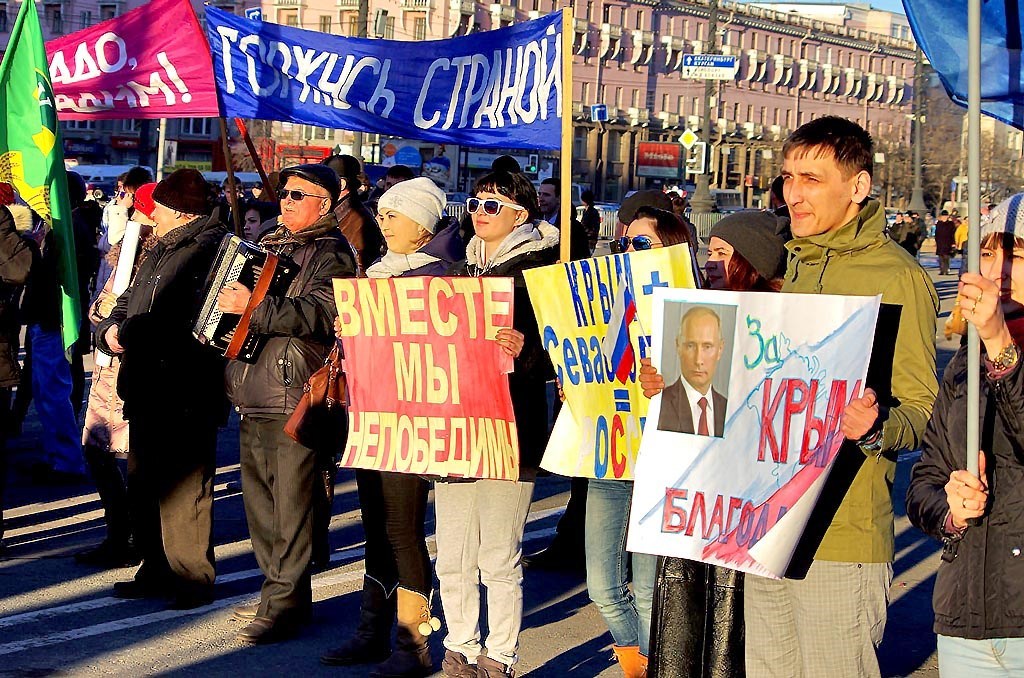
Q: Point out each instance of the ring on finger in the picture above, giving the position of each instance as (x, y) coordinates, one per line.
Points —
(963, 503)
(980, 295)
(975, 307)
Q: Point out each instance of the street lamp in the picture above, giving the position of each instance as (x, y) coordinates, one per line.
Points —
(917, 197)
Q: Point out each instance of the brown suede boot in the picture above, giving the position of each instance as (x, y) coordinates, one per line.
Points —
(634, 664)
(411, 658)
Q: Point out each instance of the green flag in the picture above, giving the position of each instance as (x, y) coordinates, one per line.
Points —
(32, 153)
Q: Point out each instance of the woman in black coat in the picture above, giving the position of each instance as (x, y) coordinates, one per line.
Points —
(979, 589)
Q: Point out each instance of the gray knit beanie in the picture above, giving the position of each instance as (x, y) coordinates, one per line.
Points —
(419, 199)
(757, 236)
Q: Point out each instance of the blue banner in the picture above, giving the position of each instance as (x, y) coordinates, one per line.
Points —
(940, 27)
(493, 89)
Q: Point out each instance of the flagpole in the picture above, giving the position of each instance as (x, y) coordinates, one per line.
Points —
(565, 156)
(251, 147)
(974, 221)
(232, 194)
(161, 158)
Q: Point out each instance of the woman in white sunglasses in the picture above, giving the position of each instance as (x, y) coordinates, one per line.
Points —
(480, 523)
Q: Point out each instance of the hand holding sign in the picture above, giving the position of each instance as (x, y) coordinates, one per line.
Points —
(650, 380)
(860, 415)
(511, 341)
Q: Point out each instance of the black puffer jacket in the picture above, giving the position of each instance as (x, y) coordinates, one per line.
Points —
(164, 369)
(528, 382)
(300, 322)
(980, 594)
(15, 265)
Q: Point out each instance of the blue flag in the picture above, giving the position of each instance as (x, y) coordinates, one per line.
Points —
(940, 27)
(493, 89)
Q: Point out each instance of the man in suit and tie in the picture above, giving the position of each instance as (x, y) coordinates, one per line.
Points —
(690, 404)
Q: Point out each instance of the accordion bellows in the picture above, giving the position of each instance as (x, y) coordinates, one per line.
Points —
(260, 271)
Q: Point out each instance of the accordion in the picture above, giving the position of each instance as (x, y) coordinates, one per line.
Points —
(260, 271)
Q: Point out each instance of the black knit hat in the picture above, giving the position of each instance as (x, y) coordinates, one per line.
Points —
(651, 198)
(321, 175)
(347, 167)
(185, 190)
(757, 236)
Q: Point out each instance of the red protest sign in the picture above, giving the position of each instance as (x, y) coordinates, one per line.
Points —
(428, 385)
(153, 62)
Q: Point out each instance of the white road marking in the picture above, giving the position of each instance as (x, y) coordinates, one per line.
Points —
(342, 557)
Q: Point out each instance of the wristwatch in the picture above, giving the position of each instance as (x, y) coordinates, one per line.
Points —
(872, 442)
(1007, 358)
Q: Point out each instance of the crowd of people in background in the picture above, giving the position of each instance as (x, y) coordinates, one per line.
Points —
(667, 617)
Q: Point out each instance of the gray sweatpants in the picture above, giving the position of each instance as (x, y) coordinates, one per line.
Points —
(480, 540)
(828, 624)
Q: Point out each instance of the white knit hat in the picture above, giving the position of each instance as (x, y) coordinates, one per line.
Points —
(1006, 217)
(419, 199)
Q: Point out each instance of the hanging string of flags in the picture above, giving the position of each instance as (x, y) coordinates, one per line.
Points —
(493, 89)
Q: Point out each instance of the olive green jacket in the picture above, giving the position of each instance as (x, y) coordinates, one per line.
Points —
(859, 259)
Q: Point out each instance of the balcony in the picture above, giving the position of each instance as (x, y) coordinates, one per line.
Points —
(613, 31)
(581, 25)
(465, 7)
(288, 3)
(581, 166)
(347, 4)
(503, 14)
(417, 5)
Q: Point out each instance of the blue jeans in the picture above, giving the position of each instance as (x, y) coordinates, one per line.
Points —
(628, 614)
(992, 658)
(51, 390)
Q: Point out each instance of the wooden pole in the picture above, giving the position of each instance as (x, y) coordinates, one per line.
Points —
(973, 225)
(565, 156)
(232, 194)
(267, 188)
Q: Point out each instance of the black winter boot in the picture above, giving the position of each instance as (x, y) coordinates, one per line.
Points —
(372, 639)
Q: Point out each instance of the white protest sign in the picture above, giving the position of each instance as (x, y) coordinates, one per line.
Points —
(775, 372)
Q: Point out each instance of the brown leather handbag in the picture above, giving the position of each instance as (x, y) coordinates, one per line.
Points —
(320, 420)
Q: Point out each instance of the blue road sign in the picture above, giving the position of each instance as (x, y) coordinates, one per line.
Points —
(254, 14)
(599, 113)
(710, 66)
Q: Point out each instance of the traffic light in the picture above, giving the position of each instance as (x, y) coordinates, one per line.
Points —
(532, 164)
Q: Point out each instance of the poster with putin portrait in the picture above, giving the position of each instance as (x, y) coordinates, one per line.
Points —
(739, 443)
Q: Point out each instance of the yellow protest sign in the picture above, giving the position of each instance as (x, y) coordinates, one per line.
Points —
(597, 434)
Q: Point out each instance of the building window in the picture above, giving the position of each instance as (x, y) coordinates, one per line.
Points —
(635, 100)
(288, 17)
(664, 102)
(55, 19)
(313, 133)
(80, 125)
(353, 25)
(639, 20)
(419, 28)
(196, 127)
(325, 24)
(389, 28)
(694, 110)
(585, 93)
(85, 18)
(128, 126)
(107, 12)
(618, 97)
(3, 17)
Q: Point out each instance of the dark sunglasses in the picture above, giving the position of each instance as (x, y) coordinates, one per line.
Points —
(640, 243)
(491, 205)
(296, 195)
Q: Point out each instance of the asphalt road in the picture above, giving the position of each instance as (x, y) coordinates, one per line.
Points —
(59, 618)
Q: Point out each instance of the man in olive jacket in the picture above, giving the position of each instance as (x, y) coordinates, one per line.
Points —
(277, 472)
(827, 617)
(173, 394)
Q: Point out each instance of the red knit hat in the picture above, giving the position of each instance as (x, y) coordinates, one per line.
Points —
(144, 199)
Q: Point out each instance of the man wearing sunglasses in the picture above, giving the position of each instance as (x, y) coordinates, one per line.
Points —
(277, 472)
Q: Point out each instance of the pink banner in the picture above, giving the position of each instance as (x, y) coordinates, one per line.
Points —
(153, 62)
